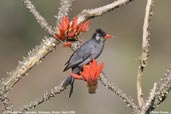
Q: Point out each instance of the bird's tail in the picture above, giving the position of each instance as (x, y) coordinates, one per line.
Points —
(72, 86)
(70, 80)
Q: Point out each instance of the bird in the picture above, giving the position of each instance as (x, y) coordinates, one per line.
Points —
(90, 50)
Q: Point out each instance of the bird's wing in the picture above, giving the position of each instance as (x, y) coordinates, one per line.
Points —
(77, 62)
(79, 56)
(77, 52)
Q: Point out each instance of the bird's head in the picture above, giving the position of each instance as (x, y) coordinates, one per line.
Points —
(100, 35)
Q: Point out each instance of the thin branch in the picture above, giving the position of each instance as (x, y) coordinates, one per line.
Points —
(139, 88)
(158, 94)
(5, 99)
(111, 86)
(40, 19)
(91, 13)
(146, 109)
(52, 93)
(163, 89)
(7, 103)
(145, 50)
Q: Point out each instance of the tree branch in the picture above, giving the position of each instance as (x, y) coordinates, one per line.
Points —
(145, 50)
(40, 19)
(111, 86)
(5, 99)
(91, 13)
(163, 89)
(7, 104)
(158, 94)
(146, 109)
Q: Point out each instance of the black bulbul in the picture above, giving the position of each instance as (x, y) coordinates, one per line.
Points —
(87, 52)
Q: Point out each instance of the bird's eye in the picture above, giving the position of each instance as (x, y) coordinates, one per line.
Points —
(100, 35)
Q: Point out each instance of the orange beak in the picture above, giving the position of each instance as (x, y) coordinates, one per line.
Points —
(108, 36)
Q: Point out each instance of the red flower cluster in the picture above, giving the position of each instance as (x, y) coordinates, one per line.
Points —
(90, 74)
(69, 31)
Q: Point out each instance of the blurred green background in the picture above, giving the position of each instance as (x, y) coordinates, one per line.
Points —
(19, 33)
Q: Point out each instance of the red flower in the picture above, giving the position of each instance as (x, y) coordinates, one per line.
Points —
(70, 30)
(63, 28)
(90, 74)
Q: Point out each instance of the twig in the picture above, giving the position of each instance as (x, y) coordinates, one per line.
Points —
(145, 50)
(163, 89)
(7, 104)
(111, 86)
(5, 99)
(91, 13)
(158, 94)
(149, 103)
(54, 91)
(40, 19)
(139, 88)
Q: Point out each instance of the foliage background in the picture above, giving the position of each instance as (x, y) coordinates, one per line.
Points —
(19, 33)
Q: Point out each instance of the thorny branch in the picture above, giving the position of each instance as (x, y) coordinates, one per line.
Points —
(150, 102)
(158, 94)
(91, 13)
(163, 89)
(119, 92)
(145, 50)
(4, 98)
(40, 19)
(7, 103)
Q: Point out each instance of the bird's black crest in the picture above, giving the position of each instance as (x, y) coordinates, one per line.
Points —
(100, 31)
